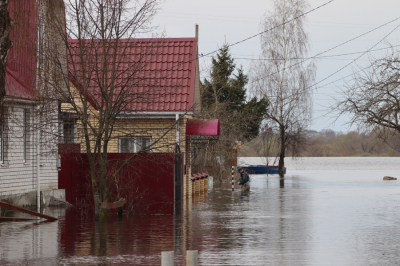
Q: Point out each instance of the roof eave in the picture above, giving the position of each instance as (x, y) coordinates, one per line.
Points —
(154, 115)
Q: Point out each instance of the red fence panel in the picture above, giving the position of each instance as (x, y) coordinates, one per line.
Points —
(147, 182)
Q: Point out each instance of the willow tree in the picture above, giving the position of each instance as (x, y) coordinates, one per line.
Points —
(283, 78)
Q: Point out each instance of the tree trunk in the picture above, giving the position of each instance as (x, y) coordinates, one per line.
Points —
(5, 45)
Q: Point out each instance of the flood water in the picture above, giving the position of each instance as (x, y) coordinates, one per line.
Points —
(320, 215)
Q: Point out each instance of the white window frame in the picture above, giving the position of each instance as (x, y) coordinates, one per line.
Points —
(134, 142)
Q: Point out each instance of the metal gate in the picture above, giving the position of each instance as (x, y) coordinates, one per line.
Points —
(178, 179)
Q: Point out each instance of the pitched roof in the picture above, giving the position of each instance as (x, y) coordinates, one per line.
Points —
(15, 88)
(152, 75)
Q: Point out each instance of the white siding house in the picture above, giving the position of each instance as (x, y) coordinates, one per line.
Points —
(22, 161)
(29, 134)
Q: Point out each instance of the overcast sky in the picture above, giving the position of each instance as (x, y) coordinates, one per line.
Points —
(328, 26)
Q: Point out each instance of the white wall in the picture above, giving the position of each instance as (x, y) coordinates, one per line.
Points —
(16, 175)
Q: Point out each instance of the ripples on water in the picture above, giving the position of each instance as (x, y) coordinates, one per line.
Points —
(318, 217)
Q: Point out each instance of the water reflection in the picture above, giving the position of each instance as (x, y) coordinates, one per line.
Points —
(305, 219)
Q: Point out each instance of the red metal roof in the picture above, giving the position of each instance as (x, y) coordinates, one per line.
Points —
(15, 88)
(203, 127)
(159, 74)
(22, 58)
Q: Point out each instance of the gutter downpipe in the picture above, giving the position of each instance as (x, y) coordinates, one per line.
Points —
(38, 165)
(177, 129)
(40, 55)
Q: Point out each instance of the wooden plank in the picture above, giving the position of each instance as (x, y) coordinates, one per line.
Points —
(10, 206)
(113, 205)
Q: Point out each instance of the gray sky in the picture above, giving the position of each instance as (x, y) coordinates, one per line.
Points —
(329, 26)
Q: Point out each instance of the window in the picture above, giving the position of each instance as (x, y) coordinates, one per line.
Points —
(3, 136)
(26, 130)
(69, 131)
(134, 144)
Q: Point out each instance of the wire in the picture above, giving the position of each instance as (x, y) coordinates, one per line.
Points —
(334, 73)
(324, 86)
(264, 59)
(251, 37)
(270, 29)
(315, 84)
(326, 56)
(315, 56)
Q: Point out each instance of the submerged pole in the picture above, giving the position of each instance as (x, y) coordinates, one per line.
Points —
(233, 178)
(167, 258)
(192, 258)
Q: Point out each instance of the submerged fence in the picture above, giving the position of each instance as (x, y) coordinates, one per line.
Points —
(147, 182)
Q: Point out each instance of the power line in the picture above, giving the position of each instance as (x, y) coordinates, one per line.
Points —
(269, 59)
(309, 87)
(270, 29)
(254, 19)
(317, 55)
(356, 58)
(246, 39)
(307, 58)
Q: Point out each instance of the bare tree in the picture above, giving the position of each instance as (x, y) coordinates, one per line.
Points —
(97, 87)
(283, 78)
(373, 98)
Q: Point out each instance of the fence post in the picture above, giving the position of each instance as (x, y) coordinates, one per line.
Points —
(167, 258)
(192, 258)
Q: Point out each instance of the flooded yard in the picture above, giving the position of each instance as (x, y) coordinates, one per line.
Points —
(316, 217)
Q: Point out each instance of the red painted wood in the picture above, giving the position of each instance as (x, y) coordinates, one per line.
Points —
(10, 206)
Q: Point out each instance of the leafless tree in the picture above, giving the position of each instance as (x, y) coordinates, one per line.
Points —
(102, 75)
(283, 78)
(373, 98)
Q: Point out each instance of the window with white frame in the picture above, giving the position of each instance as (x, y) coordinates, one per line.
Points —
(26, 136)
(3, 136)
(134, 144)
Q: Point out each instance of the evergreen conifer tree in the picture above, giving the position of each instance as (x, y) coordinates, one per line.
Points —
(224, 98)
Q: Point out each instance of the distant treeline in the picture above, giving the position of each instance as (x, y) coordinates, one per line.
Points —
(326, 143)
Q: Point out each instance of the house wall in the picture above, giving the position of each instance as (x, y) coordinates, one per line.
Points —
(162, 131)
(16, 175)
(38, 42)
